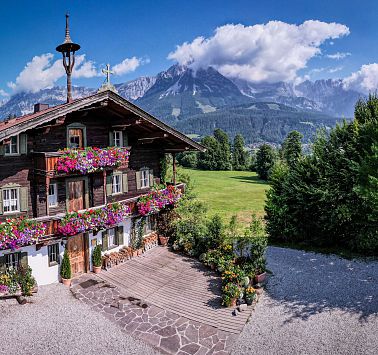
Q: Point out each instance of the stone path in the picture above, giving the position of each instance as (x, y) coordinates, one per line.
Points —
(156, 322)
(160, 328)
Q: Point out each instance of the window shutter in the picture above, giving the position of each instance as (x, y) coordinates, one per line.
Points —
(1, 201)
(24, 259)
(111, 139)
(23, 143)
(3, 266)
(119, 235)
(125, 139)
(2, 149)
(138, 177)
(105, 241)
(24, 199)
(151, 178)
(109, 185)
(125, 183)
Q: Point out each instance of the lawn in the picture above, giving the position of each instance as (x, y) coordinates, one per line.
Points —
(230, 193)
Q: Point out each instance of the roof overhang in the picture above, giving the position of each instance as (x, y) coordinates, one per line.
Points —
(62, 110)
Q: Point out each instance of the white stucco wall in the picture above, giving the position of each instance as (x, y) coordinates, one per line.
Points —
(38, 260)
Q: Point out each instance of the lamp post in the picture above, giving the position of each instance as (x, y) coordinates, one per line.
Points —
(68, 49)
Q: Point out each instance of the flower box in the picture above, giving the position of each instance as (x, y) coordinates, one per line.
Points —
(91, 159)
(156, 200)
(93, 219)
(19, 232)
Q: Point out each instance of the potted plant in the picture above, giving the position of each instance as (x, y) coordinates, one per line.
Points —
(250, 295)
(231, 292)
(97, 259)
(163, 240)
(65, 269)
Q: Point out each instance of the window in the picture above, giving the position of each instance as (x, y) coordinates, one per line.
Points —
(13, 261)
(12, 146)
(111, 238)
(11, 200)
(117, 184)
(75, 138)
(117, 139)
(53, 254)
(53, 195)
(144, 178)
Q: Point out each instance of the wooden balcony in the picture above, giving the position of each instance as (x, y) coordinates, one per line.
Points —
(45, 164)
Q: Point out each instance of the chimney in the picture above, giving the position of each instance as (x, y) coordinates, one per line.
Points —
(40, 107)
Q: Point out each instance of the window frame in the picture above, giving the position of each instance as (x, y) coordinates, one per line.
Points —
(51, 252)
(76, 125)
(3, 191)
(114, 177)
(55, 195)
(9, 264)
(114, 239)
(147, 178)
(11, 153)
(114, 133)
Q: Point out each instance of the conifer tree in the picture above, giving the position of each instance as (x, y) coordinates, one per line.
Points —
(239, 155)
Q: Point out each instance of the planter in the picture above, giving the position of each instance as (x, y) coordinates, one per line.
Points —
(233, 302)
(249, 300)
(96, 269)
(66, 282)
(135, 252)
(163, 240)
(212, 266)
(260, 278)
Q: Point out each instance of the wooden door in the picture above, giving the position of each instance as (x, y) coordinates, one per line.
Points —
(75, 138)
(76, 195)
(76, 251)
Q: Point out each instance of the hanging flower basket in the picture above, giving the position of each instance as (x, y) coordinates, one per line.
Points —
(91, 159)
(19, 232)
(156, 200)
(93, 219)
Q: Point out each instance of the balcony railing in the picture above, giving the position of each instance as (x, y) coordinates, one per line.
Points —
(79, 162)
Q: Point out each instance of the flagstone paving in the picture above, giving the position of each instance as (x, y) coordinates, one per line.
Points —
(118, 295)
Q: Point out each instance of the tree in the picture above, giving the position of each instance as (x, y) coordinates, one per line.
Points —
(208, 160)
(224, 150)
(292, 148)
(265, 159)
(239, 155)
(188, 159)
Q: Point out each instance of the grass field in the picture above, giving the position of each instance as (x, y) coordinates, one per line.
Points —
(230, 193)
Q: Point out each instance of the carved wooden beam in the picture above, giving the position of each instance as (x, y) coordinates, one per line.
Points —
(154, 136)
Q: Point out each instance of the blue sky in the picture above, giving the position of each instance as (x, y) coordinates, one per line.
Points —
(111, 31)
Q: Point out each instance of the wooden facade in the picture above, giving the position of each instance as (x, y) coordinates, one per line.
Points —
(89, 122)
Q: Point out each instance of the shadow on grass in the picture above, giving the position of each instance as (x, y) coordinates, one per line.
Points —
(306, 284)
(250, 179)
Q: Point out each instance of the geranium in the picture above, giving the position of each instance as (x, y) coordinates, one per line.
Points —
(19, 232)
(93, 219)
(91, 159)
(157, 199)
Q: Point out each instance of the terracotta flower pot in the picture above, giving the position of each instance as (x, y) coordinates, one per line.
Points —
(260, 278)
(233, 302)
(163, 240)
(135, 252)
(66, 282)
(96, 269)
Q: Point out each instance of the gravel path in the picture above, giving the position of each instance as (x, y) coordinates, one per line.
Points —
(314, 304)
(57, 323)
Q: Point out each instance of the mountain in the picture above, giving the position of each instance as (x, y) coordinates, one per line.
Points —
(133, 90)
(181, 92)
(197, 101)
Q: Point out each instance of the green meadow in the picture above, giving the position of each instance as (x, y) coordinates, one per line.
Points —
(230, 193)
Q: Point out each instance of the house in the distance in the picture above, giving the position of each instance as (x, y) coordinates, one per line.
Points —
(39, 183)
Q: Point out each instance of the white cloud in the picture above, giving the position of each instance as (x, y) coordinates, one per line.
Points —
(334, 70)
(43, 72)
(3, 93)
(338, 55)
(128, 65)
(364, 80)
(268, 52)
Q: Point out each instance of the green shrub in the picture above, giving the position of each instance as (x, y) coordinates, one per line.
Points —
(96, 256)
(65, 268)
(25, 280)
(230, 291)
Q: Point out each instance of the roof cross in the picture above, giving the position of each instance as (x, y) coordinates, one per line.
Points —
(107, 72)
